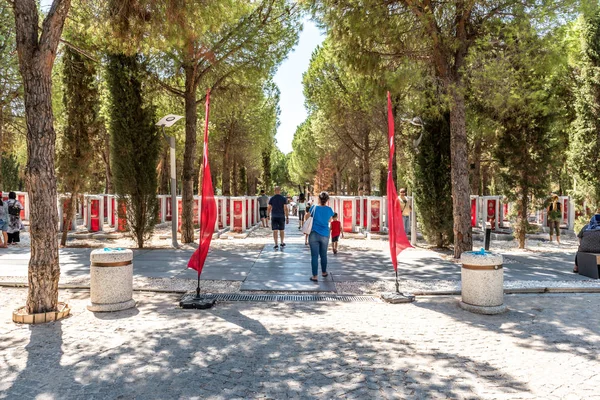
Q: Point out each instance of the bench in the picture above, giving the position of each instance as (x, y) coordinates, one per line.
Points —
(589, 264)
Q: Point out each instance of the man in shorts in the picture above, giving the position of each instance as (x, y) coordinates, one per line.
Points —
(263, 204)
(278, 209)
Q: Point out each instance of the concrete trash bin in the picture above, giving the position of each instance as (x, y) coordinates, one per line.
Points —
(111, 280)
(482, 279)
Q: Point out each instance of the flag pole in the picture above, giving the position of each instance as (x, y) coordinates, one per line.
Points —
(198, 287)
(208, 216)
(396, 233)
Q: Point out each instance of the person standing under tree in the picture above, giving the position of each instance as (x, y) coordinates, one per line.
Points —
(278, 209)
(406, 207)
(554, 217)
(301, 209)
(3, 222)
(263, 204)
(319, 236)
(14, 212)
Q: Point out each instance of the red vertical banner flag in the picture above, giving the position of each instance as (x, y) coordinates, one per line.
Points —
(397, 235)
(208, 207)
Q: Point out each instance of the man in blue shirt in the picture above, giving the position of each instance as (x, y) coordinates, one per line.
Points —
(278, 210)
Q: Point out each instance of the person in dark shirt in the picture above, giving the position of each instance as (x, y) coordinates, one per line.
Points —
(278, 209)
(589, 238)
(263, 203)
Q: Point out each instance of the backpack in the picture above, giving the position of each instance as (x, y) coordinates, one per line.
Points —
(13, 209)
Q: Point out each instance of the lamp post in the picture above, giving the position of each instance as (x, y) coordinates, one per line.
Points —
(168, 121)
(416, 121)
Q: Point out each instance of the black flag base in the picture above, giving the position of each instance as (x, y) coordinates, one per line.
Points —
(193, 300)
(397, 298)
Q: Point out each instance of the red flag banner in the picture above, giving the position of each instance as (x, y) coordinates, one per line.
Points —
(208, 206)
(397, 236)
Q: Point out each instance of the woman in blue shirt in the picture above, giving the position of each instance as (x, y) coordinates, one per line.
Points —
(319, 236)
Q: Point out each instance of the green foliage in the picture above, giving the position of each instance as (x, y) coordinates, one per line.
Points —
(279, 169)
(346, 122)
(305, 154)
(12, 125)
(584, 151)
(243, 182)
(432, 182)
(383, 180)
(243, 126)
(135, 145)
(524, 104)
(81, 103)
(11, 174)
(267, 183)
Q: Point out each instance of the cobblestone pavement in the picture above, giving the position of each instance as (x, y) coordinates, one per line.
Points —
(546, 347)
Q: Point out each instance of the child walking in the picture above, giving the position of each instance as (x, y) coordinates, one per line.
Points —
(336, 231)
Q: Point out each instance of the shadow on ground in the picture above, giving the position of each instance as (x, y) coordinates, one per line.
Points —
(224, 353)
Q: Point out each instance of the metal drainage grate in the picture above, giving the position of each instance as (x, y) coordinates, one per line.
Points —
(302, 298)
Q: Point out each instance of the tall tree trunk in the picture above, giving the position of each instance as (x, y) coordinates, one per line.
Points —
(234, 178)
(367, 165)
(521, 222)
(197, 174)
(1, 143)
(361, 175)
(164, 176)
(226, 169)
(266, 173)
(189, 156)
(70, 217)
(476, 168)
(37, 52)
(461, 204)
(105, 151)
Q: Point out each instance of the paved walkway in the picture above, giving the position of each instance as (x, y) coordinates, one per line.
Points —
(260, 267)
(546, 347)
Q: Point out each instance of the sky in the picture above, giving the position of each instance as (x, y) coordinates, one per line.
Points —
(289, 80)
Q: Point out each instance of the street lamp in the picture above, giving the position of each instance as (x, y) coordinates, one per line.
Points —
(168, 121)
(416, 121)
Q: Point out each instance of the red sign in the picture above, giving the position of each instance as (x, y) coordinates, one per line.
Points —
(491, 212)
(220, 213)
(105, 205)
(66, 209)
(228, 211)
(122, 221)
(95, 215)
(375, 215)
(196, 218)
(347, 216)
(21, 198)
(179, 212)
(247, 213)
(364, 212)
(505, 216)
(566, 211)
(473, 212)
(114, 211)
(237, 215)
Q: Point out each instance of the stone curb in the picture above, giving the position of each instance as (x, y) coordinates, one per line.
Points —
(541, 290)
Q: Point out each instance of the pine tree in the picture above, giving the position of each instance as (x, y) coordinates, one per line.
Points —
(584, 148)
(266, 170)
(81, 101)
(432, 183)
(135, 144)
